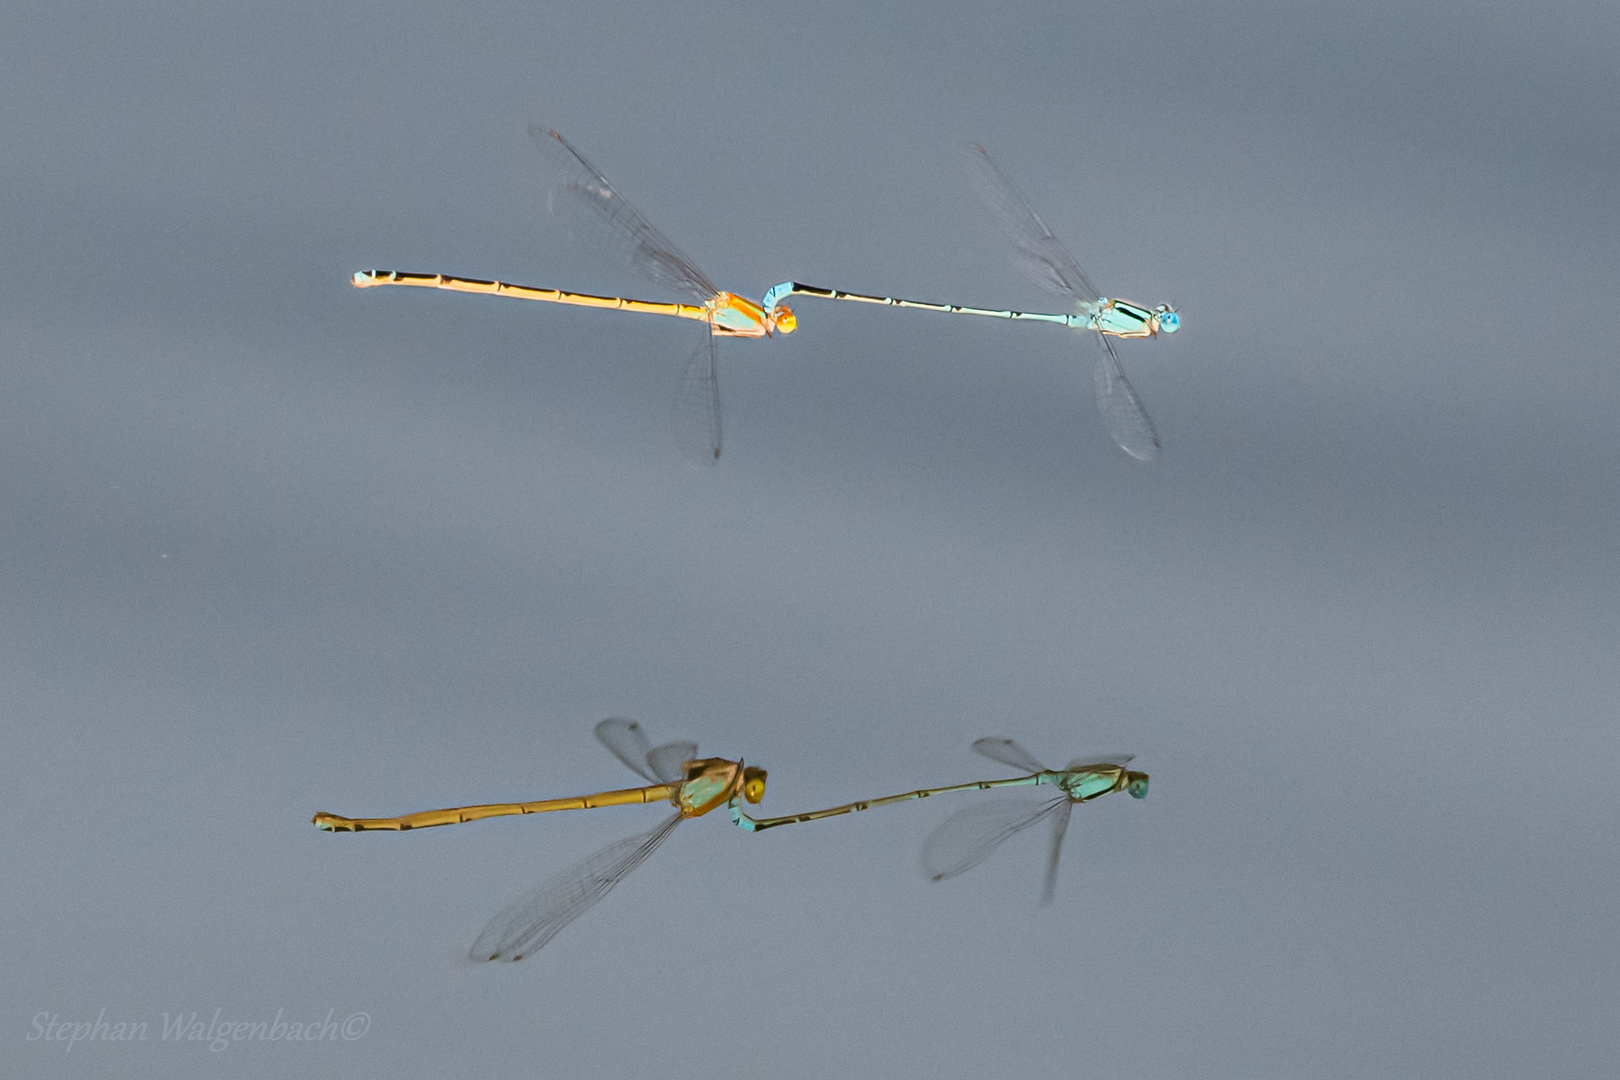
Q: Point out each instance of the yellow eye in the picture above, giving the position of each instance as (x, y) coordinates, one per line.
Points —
(753, 784)
(786, 322)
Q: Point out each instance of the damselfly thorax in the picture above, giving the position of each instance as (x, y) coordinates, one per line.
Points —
(1121, 318)
(730, 315)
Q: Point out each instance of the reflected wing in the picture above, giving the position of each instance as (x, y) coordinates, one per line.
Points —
(648, 251)
(534, 920)
(1009, 753)
(666, 760)
(968, 836)
(629, 744)
(1121, 409)
(697, 407)
(1040, 256)
(1060, 826)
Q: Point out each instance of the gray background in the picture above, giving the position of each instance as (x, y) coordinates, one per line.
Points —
(270, 545)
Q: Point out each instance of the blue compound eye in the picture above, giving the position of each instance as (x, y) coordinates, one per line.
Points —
(1169, 322)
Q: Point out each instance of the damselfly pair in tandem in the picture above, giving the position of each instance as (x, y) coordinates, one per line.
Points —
(695, 786)
(727, 314)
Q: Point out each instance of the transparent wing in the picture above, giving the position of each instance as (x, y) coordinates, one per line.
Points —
(1121, 409)
(697, 407)
(666, 760)
(1040, 256)
(629, 744)
(648, 251)
(1009, 753)
(1060, 827)
(968, 836)
(1114, 759)
(534, 920)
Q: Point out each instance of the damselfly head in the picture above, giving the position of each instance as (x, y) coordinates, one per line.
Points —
(1137, 784)
(1165, 319)
(753, 787)
(783, 320)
